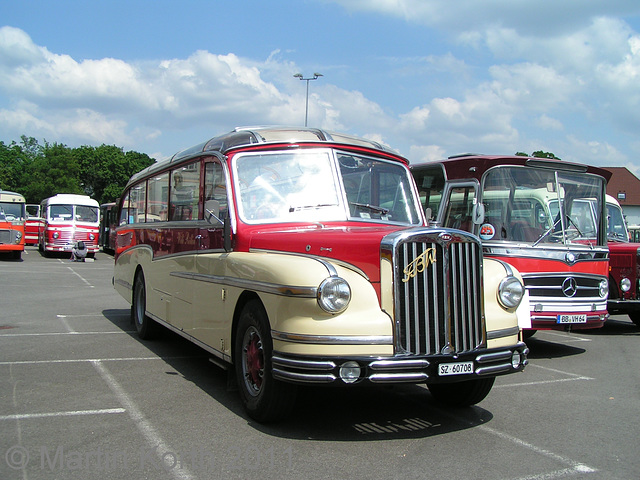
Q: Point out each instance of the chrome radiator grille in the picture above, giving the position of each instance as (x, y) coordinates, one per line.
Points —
(438, 297)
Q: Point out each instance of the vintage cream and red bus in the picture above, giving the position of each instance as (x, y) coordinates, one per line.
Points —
(624, 265)
(33, 224)
(69, 219)
(537, 215)
(299, 256)
(12, 217)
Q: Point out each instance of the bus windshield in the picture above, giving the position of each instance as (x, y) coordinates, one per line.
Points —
(11, 211)
(323, 185)
(616, 225)
(539, 206)
(65, 213)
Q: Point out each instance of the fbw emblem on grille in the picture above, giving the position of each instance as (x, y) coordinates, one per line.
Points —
(569, 287)
(419, 265)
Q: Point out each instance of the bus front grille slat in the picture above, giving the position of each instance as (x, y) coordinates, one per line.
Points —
(439, 308)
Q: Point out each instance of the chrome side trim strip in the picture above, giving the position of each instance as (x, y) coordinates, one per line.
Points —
(505, 332)
(309, 364)
(265, 287)
(399, 377)
(302, 377)
(333, 339)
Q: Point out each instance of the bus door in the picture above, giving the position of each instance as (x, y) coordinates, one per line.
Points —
(209, 296)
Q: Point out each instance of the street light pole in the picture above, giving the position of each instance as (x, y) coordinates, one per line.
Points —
(306, 108)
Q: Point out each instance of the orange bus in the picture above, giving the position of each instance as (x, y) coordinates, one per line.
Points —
(69, 219)
(12, 216)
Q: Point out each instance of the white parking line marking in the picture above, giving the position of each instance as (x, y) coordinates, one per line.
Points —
(80, 277)
(145, 427)
(66, 325)
(573, 377)
(568, 338)
(22, 416)
(574, 467)
(90, 360)
(119, 332)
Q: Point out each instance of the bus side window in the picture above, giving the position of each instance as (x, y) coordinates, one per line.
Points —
(185, 185)
(215, 190)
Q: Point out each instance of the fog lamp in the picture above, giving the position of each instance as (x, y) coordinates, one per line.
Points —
(625, 285)
(604, 288)
(516, 360)
(350, 372)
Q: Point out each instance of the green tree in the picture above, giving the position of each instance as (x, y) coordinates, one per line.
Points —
(40, 171)
(105, 170)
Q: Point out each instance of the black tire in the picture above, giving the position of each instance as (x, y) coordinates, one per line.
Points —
(144, 325)
(263, 398)
(462, 394)
(635, 318)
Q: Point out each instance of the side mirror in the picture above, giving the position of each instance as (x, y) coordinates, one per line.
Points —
(478, 214)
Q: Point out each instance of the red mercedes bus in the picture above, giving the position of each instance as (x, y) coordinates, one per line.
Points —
(69, 219)
(12, 217)
(546, 218)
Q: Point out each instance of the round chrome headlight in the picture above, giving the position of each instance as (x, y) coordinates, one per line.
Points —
(334, 295)
(92, 236)
(625, 284)
(604, 288)
(55, 235)
(510, 292)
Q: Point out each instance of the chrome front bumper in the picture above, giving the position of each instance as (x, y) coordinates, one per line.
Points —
(397, 369)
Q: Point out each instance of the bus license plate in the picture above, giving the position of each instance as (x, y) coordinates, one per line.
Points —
(459, 368)
(572, 318)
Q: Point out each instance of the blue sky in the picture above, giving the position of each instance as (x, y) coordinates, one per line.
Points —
(429, 78)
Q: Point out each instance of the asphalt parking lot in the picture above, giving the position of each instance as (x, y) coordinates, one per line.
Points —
(82, 397)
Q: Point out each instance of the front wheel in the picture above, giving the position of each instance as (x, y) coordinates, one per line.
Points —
(264, 398)
(462, 394)
(144, 325)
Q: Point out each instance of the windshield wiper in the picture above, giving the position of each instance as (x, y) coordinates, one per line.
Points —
(306, 207)
(372, 208)
(547, 232)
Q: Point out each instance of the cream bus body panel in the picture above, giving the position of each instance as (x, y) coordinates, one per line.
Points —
(497, 319)
(212, 298)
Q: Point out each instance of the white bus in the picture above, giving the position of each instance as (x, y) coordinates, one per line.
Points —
(69, 219)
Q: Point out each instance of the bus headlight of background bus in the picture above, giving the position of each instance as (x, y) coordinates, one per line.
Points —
(625, 284)
(334, 295)
(604, 288)
(92, 236)
(510, 292)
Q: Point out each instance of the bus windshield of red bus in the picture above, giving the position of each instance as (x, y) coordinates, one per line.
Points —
(65, 213)
(541, 206)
